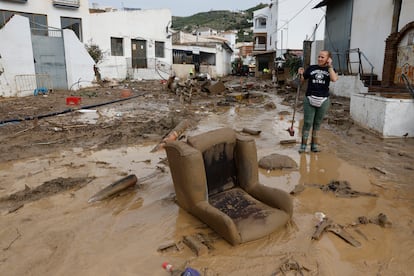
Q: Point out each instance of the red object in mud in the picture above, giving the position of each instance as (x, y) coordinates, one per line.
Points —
(167, 266)
(73, 100)
(125, 93)
(291, 131)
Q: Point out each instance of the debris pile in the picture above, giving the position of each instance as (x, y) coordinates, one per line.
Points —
(339, 188)
(203, 86)
(327, 224)
(343, 189)
(199, 243)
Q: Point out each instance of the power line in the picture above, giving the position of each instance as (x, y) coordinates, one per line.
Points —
(317, 26)
(299, 12)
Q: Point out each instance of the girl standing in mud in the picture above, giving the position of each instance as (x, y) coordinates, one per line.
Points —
(316, 102)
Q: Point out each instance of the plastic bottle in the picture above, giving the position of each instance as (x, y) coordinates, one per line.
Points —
(167, 266)
(190, 272)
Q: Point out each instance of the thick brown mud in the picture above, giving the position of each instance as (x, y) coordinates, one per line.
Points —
(61, 233)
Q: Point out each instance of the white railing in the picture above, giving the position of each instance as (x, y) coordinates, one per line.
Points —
(31, 84)
(68, 3)
(259, 47)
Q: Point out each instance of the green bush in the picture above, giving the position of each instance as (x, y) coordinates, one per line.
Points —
(293, 63)
(94, 51)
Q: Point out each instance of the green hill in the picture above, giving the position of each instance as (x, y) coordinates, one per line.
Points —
(218, 20)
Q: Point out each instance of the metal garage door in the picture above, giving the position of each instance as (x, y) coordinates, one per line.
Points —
(49, 57)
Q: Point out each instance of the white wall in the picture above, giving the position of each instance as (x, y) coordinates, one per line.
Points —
(407, 13)
(16, 55)
(345, 86)
(261, 13)
(223, 61)
(45, 7)
(182, 71)
(149, 25)
(79, 64)
(272, 26)
(392, 117)
(231, 38)
(317, 46)
(301, 26)
(371, 25)
(271, 15)
(399, 118)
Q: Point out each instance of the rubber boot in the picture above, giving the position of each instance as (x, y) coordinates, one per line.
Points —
(305, 136)
(315, 142)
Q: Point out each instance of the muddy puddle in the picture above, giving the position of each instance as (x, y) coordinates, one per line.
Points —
(61, 234)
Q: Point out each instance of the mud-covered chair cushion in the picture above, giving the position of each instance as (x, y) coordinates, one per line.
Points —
(215, 176)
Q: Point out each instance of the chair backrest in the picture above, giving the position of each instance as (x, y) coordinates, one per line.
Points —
(217, 148)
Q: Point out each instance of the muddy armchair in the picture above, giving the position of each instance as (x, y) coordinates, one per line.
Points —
(215, 176)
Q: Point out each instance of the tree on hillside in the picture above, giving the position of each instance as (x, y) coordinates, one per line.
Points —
(244, 36)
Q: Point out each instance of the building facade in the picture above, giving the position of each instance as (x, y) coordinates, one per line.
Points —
(44, 48)
(136, 43)
(200, 54)
(265, 27)
(360, 28)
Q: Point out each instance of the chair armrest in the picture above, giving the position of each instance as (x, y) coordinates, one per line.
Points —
(218, 221)
(273, 197)
(188, 173)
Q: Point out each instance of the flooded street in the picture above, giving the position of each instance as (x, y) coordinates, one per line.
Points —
(63, 234)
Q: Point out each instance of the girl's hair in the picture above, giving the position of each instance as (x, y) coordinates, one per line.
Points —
(329, 53)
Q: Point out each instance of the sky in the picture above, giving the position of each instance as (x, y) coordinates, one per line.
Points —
(297, 19)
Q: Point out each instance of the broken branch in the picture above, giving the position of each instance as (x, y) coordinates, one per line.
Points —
(173, 135)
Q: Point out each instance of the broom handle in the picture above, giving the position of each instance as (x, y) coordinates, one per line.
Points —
(296, 100)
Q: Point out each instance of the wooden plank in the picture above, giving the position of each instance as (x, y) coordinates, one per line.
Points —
(195, 245)
(320, 228)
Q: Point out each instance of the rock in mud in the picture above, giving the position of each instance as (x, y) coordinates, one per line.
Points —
(277, 161)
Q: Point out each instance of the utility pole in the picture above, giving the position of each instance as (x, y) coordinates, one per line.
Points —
(281, 42)
(396, 16)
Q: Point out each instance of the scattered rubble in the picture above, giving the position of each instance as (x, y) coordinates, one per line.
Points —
(381, 220)
(327, 224)
(15, 201)
(291, 265)
(201, 244)
(339, 188)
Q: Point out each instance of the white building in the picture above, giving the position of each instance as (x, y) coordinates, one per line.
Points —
(206, 55)
(136, 43)
(231, 37)
(205, 31)
(46, 40)
(44, 47)
(265, 27)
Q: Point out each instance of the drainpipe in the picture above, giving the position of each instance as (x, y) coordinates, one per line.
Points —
(396, 16)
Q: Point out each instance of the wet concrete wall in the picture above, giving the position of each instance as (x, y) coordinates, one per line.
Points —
(389, 117)
(345, 86)
(16, 54)
(79, 64)
(144, 25)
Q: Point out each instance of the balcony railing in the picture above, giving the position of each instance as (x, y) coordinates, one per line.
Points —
(71, 4)
(19, 1)
(259, 47)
